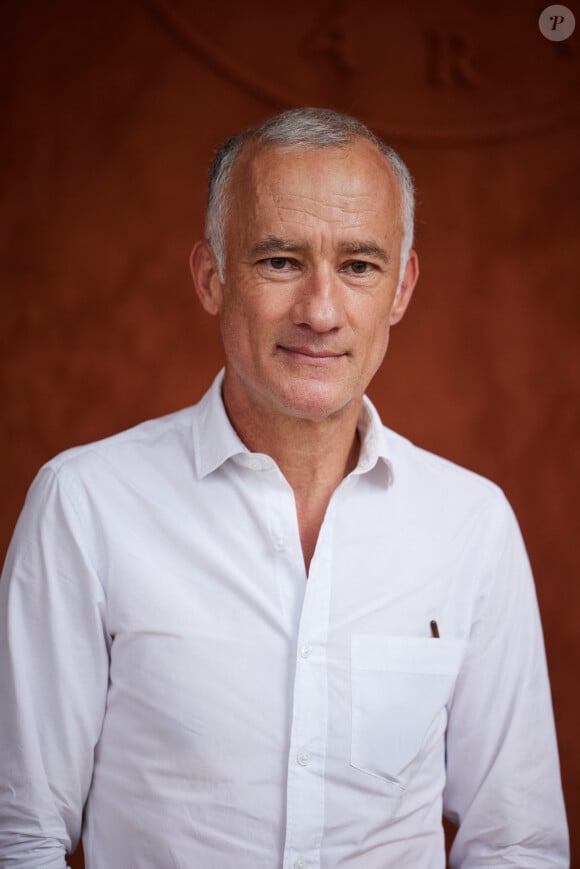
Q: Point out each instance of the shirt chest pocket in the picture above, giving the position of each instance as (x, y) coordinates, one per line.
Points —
(400, 687)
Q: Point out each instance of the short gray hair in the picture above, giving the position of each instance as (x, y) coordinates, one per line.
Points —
(299, 129)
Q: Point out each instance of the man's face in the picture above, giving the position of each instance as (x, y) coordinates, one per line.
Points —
(310, 284)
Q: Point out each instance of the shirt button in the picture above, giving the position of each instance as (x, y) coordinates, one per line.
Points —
(305, 650)
(255, 464)
(299, 864)
(280, 544)
(303, 758)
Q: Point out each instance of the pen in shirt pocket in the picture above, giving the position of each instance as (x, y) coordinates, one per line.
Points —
(434, 629)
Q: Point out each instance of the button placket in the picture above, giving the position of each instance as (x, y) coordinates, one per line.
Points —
(305, 791)
(280, 544)
(303, 758)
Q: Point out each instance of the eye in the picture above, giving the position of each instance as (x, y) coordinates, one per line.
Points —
(275, 268)
(359, 267)
(278, 263)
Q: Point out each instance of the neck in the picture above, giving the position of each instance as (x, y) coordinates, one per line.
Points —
(308, 452)
(313, 455)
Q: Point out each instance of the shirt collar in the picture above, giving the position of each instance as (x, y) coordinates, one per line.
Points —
(216, 440)
(372, 439)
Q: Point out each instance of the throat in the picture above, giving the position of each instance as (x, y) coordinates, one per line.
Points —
(309, 525)
(312, 497)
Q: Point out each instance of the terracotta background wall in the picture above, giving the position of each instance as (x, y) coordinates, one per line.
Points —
(110, 114)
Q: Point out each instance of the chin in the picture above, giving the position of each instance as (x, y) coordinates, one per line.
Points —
(315, 401)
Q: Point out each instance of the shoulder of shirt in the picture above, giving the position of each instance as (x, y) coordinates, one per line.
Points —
(145, 435)
(405, 457)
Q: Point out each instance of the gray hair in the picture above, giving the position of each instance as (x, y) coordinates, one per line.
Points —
(299, 129)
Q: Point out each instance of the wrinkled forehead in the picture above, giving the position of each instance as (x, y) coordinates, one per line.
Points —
(357, 174)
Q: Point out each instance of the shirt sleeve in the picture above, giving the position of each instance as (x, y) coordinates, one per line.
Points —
(503, 779)
(53, 675)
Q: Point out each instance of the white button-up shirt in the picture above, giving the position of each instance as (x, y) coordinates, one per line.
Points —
(168, 667)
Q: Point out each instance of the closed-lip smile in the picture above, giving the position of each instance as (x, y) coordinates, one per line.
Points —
(311, 352)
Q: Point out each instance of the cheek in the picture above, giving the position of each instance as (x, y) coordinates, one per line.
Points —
(235, 310)
(255, 310)
(245, 323)
(379, 346)
(376, 340)
(373, 320)
(233, 326)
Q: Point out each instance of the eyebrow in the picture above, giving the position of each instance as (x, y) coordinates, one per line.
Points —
(276, 244)
(365, 248)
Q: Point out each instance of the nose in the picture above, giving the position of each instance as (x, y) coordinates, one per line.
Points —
(320, 301)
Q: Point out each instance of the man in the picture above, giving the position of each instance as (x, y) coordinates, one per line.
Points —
(266, 631)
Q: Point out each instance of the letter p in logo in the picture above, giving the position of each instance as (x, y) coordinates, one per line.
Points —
(557, 23)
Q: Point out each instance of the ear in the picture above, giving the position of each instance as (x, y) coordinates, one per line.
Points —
(206, 279)
(406, 287)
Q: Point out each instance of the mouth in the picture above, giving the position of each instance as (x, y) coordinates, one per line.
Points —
(311, 354)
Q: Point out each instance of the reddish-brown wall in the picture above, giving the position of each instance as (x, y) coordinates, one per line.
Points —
(110, 114)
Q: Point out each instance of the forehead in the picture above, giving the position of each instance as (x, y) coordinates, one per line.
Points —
(339, 186)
